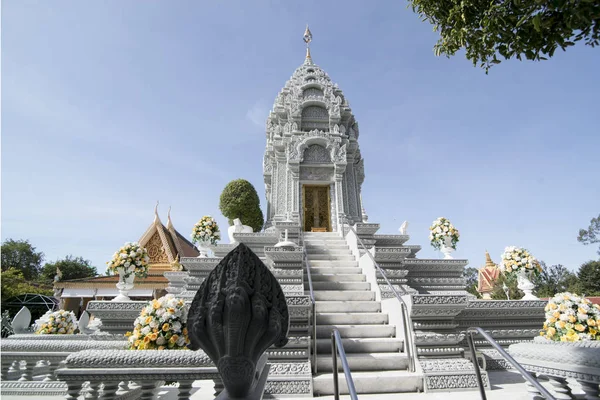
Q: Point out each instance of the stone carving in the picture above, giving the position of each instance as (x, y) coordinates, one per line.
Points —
(239, 311)
(340, 156)
(316, 174)
(316, 154)
(404, 228)
(21, 321)
(237, 227)
(315, 112)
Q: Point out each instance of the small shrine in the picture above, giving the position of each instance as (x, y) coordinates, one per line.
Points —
(487, 277)
(165, 247)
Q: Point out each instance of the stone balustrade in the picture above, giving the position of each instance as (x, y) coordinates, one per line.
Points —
(110, 373)
(560, 362)
(25, 358)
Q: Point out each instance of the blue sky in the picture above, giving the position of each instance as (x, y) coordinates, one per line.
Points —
(110, 106)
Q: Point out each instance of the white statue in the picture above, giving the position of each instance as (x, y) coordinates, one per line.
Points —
(237, 227)
(404, 228)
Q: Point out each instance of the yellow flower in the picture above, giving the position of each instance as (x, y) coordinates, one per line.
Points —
(581, 310)
(572, 318)
(148, 320)
(136, 343)
(591, 322)
(561, 324)
(593, 331)
(580, 327)
(552, 320)
(127, 334)
(165, 327)
(154, 335)
(155, 304)
(161, 347)
(147, 339)
(551, 331)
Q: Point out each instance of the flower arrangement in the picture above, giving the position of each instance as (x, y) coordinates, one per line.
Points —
(132, 259)
(516, 259)
(59, 322)
(440, 229)
(160, 326)
(206, 230)
(571, 318)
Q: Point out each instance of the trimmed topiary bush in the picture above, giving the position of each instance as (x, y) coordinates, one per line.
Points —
(240, 200)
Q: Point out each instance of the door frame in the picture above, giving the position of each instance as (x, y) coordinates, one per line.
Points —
(311, 185)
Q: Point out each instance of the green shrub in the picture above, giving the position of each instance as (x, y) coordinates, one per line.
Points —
(240, 200)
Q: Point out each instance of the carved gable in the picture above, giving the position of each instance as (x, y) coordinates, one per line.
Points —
(315, 154)
(156, 250)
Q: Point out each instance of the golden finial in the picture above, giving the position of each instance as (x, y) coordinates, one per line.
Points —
(307, 39)
(488, 260)
(176, 265)
(169, 222)
(156, 218)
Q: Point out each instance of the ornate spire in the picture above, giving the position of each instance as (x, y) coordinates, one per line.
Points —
(156, 218)
(307, 40)
(169, 222)
(488, 260)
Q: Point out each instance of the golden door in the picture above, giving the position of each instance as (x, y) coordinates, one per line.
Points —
(316, 206)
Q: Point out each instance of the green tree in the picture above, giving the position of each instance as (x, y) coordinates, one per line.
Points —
(589, 278)
(240, 200)
(14, 283)
(554, 279)
(70, 268)
(592, 234)
(511, 283)
(21, 256)
(471, 276)
(531, 29)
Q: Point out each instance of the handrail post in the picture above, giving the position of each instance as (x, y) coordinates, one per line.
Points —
(336, 387)
(476, 365)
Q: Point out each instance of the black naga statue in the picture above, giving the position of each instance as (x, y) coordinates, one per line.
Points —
(238, 312)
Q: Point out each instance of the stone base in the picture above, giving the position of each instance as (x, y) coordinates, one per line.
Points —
(33, 389)
(450, 374)
(290, 379)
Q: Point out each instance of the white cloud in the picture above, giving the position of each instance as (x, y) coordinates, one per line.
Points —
(258, 114)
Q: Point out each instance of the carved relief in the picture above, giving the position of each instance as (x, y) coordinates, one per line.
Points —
(316, 174)
(316, 154)
(315, 112)
(156, 250)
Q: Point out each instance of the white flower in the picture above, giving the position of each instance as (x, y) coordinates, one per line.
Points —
(146, 330)
(177, 326)
(161, 340)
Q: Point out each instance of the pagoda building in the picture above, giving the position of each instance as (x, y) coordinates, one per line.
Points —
(165, 246)
(313, 170)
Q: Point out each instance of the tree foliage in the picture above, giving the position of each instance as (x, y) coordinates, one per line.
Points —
(555, 279)
(471, 276)
(592, 234)
(14, 283)
(531, 29)
(240, 200)
(21, 256)
(589, 278)
(70, 268)
(511, 283)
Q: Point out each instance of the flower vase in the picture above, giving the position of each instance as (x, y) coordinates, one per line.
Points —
(525, 285)
(125, 284)
(446, 248)
(203, 248)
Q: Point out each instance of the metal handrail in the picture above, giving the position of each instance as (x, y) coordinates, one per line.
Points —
(507, 357)
(410, 345)
(312, 297)
(338, 347)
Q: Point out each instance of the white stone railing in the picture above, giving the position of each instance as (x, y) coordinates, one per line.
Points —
(113, 373)
(22, 359)
(561, 361)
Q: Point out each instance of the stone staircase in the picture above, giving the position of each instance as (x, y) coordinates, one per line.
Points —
(344, 301)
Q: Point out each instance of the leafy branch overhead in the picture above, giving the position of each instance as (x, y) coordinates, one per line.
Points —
(490, 29)
(592, 234)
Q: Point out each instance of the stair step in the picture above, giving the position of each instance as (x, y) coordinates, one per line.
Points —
(366, 362)
(337, 278)
(334, 270)
(352, 318)
(331, 252)
(363, 345)
(330, 245)
(333, 264)
(348, 306)
(320, 285)
(331, 257)
(322, 235)
(356, 331)
(371, 382)
(337, 295)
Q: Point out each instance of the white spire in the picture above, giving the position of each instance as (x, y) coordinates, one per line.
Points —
(169, 222)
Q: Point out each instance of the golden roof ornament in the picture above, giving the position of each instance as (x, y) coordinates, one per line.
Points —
(488, 261)
(169, 222)
(307, 39)
(156, 218)
(176, 265)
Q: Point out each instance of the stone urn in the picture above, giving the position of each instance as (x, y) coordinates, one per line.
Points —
(525, 285)
(560, 361)
(203, 248)
(237, 227)
(447, 248)
(125, 283)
